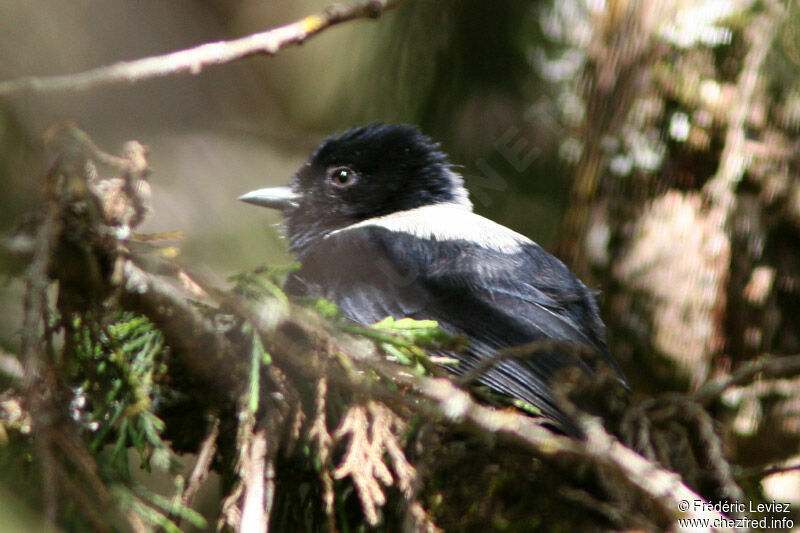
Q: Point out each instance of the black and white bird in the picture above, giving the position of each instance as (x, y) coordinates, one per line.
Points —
(383, 226)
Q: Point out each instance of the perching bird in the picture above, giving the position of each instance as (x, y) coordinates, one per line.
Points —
(383, 226)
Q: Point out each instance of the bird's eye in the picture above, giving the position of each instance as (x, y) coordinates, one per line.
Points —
(343, 177)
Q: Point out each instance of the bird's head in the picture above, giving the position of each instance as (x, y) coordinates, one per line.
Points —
(360, 174)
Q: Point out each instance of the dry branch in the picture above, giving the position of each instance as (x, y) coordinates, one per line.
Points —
(194, 60)
(201, 467)
(767, 366)
(35, 337)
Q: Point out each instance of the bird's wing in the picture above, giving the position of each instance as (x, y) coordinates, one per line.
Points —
(503, 298)
(355, 272)
(498, 297)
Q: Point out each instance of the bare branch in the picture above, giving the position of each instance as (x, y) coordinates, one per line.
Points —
(650, 478)
(760, 472)
(194, 60)
(34, 347)
(201, 468)
(769, 367)
(231, 513)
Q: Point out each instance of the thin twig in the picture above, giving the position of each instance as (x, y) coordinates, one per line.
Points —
(90, 507)
(760, 472)
(231, 514)
(767, 366)
(194, 60)
(33, 346)
(35, 303)
(201, 468)
(50, 488)
(69, 444)
(70, 136)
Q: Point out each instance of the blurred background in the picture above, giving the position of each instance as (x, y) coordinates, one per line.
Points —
(596, 127)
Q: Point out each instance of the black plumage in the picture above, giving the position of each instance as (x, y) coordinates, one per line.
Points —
(383, 227)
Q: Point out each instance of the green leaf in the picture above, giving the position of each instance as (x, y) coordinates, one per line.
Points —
(326, 308)
(526, 406)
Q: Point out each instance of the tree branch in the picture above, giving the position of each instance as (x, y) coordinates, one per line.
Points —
(194, 60)
(201, 468)
(769, 367)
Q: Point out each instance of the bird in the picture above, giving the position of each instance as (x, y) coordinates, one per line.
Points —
(382, 225)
